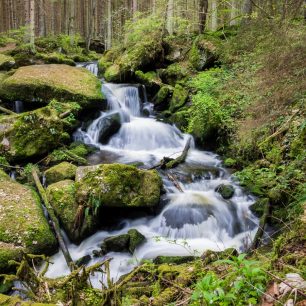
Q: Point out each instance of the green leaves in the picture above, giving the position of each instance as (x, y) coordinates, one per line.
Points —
(242, 285)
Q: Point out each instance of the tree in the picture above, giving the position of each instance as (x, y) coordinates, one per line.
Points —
(203, 8)
(170, 17)
(214, 15)
(108, 44)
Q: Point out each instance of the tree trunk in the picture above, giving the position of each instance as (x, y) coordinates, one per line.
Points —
(203, 7)
(71, 21)
(234, 9)
(109, 25)
(214, 15)
(170, 15)
(32, 25)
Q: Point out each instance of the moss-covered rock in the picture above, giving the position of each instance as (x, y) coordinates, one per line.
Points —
(210, 256)
(162, 99)
(119, 243)
(62, 196)
(6, 62)
(180, 119)
(173, 73)
(226, 191)
(60, 172)
(136, 239)
(179, 98)
(150, 79)
(47, 82)
(117, 185)
(113, 73)
(23, 226)
(103, 64)
(7, 300)
(177, 260)
(36, 132)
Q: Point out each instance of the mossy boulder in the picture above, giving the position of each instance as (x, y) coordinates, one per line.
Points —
(109, 125)
(162, 98)
(23, 226)
(113, 73)
(6, 62)
(226, 191)
(103, 64)
(179, 98)
(210, 256)
(36, 132)
(180, 119)
(46, 82)
(136, 239)
(7, 300)
(62, 196)
(117, 185)
(150, 79)
(173, 73)
(203, 53)
(60, 172)
(177, 260)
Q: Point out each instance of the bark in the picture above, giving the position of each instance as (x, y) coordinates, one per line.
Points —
(109, 25)
(7, 111)
(170, 16)
(214, 15)
(234, 10)
(203, 8)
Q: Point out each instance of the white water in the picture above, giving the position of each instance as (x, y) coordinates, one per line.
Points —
(198, 219)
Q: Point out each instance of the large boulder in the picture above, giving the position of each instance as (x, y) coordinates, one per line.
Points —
(117, 185)
(226, 191)
(60, 172)
(108, 126)
(179, 98)
(42, 83)
(174, 73)
(6, 62)
(62, 196)
(36, 132)
(23, 226)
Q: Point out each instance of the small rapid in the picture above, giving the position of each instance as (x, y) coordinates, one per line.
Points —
(191, 221)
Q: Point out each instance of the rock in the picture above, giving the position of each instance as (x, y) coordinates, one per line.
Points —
(60, 172)
(108, 126)
(82, 171)
(103, 64)
(46, 82)
(173, 73)
(23, 226)
(113, 73)
(210, 256)
(62, 197)
(6, 62)
(202, 54)
(36, 132)
(119, 243)
(226, 191)
(179, 98)
(149, 79)
(16, 301)
(83, 261)
(177, 260)
(180, 119)
(162, 99)
(258, 207)
(136, 239)
(117, 185)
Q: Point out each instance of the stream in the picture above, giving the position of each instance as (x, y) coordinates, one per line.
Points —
(188, 223)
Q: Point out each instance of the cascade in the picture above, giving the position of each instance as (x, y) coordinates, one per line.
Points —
(197, 219)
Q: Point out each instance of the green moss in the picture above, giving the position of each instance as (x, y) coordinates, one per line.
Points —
(177, 260)
(6, 300)
(174, 73)
(60, 172)
(22, 222)
(163, 96)
(36, 132)
(180, 119)
(113, 73)
(62, 196)
(103, 64)
(56, 58)
(230, 162)
(136, 239)
(47, 82)
(119, 185)
(6, 62)
(8, 251)
(179, 98)
(149, 79)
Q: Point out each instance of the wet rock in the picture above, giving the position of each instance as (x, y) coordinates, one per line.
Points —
(162, 99)
(60, 172)
(62, 197)
(173, 73)
(6, 62)
(97, 253)
(108, 126)
(177, 260)
(37, 132)
(226, 191)
(83, 261)
(179, 98)
(117, 185)
(136, 239)
(23, 227)
(258, 207)
(210, 256)
(113, 73)
(42, 83)
(118, 243)
(149, 79)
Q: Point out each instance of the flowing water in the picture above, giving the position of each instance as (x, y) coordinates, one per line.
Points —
(190, 222)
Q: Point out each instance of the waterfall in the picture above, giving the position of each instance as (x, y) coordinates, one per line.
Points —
(18, 107)
(192, 221)
(91, 66)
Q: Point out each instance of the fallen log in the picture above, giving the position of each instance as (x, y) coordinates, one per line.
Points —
(175, 182)
(54, 221)
(262, 223)
(169, 163)
(7, 111)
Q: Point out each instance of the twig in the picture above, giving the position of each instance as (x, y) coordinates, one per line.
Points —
(175, 182)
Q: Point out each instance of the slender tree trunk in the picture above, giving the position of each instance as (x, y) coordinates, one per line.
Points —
(71, 21)
(32, 25)
(203, 7)
(109, 25)
(234, 9)
(247, 8)
(214, 15)
(170, 15)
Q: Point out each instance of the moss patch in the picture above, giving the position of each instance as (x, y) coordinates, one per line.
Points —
(6, 62)
(119, 185)
(179, 98)
(47, 82)
(6, 300)
(60, 172)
